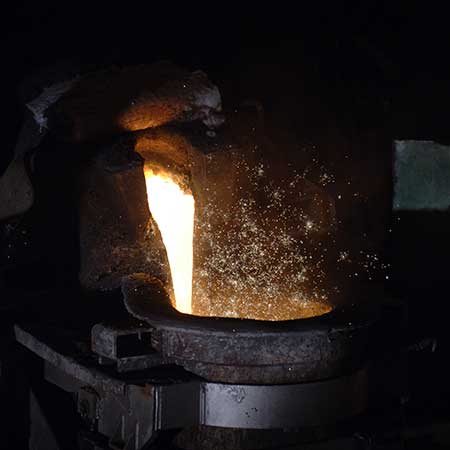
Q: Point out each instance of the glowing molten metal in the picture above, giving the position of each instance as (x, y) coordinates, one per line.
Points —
(173, 210)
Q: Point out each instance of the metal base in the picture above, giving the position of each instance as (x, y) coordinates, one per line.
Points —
(244, 351)
(130, 409)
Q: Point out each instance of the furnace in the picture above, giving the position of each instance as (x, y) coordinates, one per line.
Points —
(206, 306)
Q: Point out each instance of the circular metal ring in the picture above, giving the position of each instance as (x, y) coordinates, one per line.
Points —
(252, 351)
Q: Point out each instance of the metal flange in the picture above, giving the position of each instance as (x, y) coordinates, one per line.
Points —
(251, 351)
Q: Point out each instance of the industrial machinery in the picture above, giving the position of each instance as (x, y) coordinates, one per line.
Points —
(271, 350)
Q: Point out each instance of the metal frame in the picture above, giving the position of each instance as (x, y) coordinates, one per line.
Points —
(245, 351)
(130, 409)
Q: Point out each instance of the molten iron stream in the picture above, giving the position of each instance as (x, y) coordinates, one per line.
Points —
(173, 210)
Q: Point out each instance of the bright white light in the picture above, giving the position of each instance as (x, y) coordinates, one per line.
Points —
(173, 211)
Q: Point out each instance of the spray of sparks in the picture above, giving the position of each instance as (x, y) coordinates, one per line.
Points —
(266, 256)
(254, 261)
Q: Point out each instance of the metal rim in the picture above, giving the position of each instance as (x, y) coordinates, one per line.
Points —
(146, 299)
(250, 351)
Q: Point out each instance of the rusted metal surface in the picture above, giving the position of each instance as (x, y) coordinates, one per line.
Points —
(249, 351)
(113, 101)
(117, 235)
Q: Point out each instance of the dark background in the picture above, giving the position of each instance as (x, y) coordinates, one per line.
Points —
(355, 58)
(339, 65)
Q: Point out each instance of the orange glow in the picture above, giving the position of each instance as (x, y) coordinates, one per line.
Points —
(173, 210)
(251, 288)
